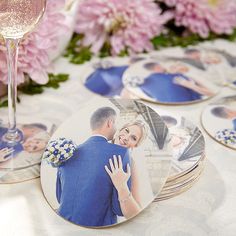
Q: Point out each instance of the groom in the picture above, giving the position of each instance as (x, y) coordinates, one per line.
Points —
(84, 190)
(225, 113)
(165, 86)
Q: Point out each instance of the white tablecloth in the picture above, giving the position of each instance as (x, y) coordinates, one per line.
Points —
(208, 208)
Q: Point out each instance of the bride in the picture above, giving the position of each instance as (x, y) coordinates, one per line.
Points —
(131, 201)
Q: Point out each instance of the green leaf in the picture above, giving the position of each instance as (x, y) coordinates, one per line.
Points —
(76, 53)
(124, 53)
(106, 50)
(179, 36)
(4, 103)
(232, 37)
(176, 36)
(31, 88)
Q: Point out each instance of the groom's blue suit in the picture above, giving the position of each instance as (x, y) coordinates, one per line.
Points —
(84, 189)
(162, 88)
(106, 82)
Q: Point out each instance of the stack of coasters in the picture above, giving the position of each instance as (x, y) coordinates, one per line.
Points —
(188, 155)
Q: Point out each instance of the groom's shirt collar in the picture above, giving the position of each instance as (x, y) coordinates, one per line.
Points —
(99, 135)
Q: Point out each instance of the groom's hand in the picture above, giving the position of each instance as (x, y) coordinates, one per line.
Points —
(118, 176)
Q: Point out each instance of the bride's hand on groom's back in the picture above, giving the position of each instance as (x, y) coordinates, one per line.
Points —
(118, 176)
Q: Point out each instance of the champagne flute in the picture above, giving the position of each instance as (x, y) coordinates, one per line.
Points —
(17, 18)
(20, 148)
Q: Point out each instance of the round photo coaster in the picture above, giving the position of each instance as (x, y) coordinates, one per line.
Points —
(104, 76)
(219, 121)
(221, 64)
(106, 163)
(217, 63)
(188, 146)
(185, 176)
(22, 161)
(28, 151)
(179, 188)
(20, 175)
(187, 141)
(179, 191)
(169, 81)
(218, 60)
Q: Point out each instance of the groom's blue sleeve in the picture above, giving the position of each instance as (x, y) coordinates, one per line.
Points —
(58, 186)
(115, 200)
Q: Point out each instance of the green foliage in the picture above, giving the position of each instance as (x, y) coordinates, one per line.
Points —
(75, 53)
(176, 36)
(106, 50)
(3, 103)
(179, 36)
(231, 37)
(171, 40)
(31, 88)
(79, 55)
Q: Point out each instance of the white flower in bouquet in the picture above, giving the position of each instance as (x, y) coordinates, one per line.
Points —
(59, 151)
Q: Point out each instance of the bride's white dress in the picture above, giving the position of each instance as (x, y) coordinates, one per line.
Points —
(140, 181)
(141, 187)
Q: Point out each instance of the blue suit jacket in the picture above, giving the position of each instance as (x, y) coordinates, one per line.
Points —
(234, 124)
(161, 87)
(106, 82)
(84, 190)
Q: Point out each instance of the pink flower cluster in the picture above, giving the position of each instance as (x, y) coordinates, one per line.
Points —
(34, 49)
(125, 24)
(205, 16)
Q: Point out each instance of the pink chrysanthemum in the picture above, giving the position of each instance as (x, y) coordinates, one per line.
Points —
(35, 48)
(205, 16)
(125, 24)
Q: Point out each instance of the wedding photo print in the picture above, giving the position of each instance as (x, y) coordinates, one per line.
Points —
(105, 77)
(22, 159)
(168, 81)
(106, 163)
(187, 142)
(223, 113)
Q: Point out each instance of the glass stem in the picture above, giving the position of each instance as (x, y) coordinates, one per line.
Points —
(12, 57)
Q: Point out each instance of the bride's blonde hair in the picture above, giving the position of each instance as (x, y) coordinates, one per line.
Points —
(143, 127)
